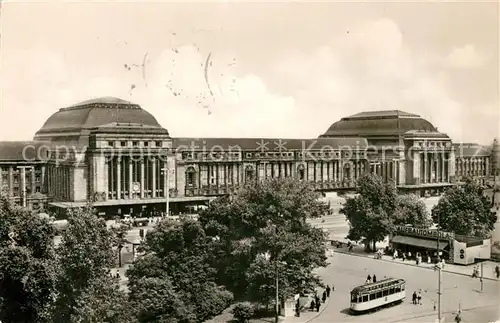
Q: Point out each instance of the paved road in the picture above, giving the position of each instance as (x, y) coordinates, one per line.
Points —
(346, 272)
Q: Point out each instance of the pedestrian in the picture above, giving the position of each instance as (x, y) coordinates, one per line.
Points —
(328, 290)
(118, 274)
(497, 271)
(313, 305)
(419, 297)
(409, 254)
(323, 298)
(297, 308)
(458, 318)
(374, 278)
(318, 305)
(414, 298)
(369, 278)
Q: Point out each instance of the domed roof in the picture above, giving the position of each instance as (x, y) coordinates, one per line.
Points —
(375, 123)
(97, 112)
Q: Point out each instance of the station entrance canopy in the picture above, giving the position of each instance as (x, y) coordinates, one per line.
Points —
(420, 242)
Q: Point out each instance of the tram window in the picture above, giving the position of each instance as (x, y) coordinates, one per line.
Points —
(354, 298)
(379, 294)
(372, 296)
(365, 298)
(385, 292)
(391, 291)
(402, 287)
(398, 289)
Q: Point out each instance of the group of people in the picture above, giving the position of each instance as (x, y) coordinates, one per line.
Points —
(370, 279)
(316, 302)
(417, 298)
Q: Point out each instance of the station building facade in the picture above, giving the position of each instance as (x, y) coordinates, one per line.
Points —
(116, 154)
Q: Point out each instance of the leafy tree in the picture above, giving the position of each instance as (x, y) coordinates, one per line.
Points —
(178, 253)
(27, 265)
(465, 210)
(411, 210)
(370, 213)
(243, 312)
(85, 289)
(267, 218)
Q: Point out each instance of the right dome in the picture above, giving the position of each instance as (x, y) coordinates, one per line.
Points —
(375, 123)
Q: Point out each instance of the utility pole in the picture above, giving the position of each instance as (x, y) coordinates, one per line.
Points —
(23, 181)
(277, 294)
(167, 193)
(481, 278)
(439, 264)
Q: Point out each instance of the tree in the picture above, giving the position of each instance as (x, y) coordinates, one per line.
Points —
(27, 265)
(178, 253)
(370, 213)
(411, 210)
(267, 218)
(465, 210)
(86, 290)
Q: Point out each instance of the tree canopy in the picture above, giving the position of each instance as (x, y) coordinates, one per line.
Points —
(377, 208)
(262, 226)
(465, 210)
(27, 265)
(178, 257)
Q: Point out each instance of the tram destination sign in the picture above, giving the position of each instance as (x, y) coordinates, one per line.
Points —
(428, 233)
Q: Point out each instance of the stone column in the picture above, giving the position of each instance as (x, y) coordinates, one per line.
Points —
(118, 178)
(153, 175)
(426, 168)
(487, 166)
(165, 178)
(325, 172)
(451, 166)
(11, 180)
(443, 173)
(33, 179)
(43, 181)
(142, 177)
(23, 185)
(131, 179)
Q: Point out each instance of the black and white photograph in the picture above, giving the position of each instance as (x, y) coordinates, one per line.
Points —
(249, 161)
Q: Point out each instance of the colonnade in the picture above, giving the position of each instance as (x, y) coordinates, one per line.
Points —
(475, 166)
(434, 167)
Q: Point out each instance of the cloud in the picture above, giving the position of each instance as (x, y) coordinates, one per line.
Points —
(368, 67)
(466, 57)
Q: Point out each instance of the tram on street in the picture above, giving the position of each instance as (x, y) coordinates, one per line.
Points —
(373, 296)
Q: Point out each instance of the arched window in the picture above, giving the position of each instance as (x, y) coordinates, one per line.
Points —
(301, 172)
(191, 176)
(249, 173)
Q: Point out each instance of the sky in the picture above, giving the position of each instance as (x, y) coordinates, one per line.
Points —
(281, 69)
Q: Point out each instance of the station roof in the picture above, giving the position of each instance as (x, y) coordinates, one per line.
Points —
(268, 144)
(471, 150)
(96, 112)
(19, 151)
(378, 123)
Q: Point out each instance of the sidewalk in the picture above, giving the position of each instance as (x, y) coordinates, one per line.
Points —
(307, 315)
(488, 266)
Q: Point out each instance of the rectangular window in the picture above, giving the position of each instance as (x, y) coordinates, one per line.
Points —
(135, 143)
(365, 298)
(16, 179)
(123, 143)
(385, 292)
(354, 298)
(158, 143)
(111, 143)
(372, 296)
(37, 189)
(397, 289)
(37, 178)
(146, 143)
(379, 294)
(391, 291)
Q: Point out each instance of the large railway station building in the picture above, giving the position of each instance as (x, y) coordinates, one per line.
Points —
(114, 153)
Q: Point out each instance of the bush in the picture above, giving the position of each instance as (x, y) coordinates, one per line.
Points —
(243, 312)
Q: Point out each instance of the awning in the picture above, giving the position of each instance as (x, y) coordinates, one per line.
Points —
(419, 242)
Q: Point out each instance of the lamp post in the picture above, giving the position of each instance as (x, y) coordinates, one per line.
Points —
(438, 267)
(167, 193)
(23, 181)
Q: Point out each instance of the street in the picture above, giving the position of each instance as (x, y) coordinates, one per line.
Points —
(346, 272)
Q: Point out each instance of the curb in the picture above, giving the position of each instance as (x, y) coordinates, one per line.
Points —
(408, 264)
(444, 312)
(323, 308)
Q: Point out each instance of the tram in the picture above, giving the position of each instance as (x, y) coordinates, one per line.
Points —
(372, 296)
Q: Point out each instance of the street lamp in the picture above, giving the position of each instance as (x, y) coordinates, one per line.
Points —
(438, 267)
(267, 256)
(166, 171)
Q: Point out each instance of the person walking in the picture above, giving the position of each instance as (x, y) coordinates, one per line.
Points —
(414, 298)
(374, 278)
(419, 297)
(497, 271)
(328, 290)
(323, 298)
(318, 305)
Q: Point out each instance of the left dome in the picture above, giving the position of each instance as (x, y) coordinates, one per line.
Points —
(97, 112)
